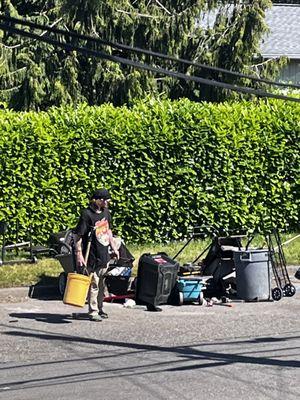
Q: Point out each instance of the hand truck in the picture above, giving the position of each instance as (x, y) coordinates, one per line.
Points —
(284, 286)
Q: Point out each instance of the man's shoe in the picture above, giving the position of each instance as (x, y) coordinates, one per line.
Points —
(95, 318)
(103, 315)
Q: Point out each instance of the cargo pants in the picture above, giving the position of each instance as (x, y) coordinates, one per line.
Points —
(97, 287)
(96, 290)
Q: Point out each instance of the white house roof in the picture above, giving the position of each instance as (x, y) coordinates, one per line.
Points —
(284, 36)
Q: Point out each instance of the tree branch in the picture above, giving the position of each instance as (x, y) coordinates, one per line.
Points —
(163, 7)
(136, 14)
(263, 63)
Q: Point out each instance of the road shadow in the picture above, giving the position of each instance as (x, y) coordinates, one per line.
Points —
(187, 358)
(186, 351)
(45, 317)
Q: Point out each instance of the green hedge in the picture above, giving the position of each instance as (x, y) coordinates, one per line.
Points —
(169, 165)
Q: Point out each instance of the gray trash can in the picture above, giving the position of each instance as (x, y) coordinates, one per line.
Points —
(252, 274)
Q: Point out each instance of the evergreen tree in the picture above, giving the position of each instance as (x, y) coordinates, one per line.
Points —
(36, 75)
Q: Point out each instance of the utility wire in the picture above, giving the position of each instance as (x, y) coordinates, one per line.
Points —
(143, 66)
(143, 51)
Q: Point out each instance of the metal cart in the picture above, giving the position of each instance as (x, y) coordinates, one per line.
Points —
(284, 286)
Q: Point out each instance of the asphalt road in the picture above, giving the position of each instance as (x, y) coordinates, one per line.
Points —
(247, 351)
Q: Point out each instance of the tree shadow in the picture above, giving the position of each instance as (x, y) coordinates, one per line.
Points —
(45, 289)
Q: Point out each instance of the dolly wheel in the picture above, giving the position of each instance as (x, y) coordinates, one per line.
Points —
(62, 281)
(277, 294)
(201, 298)
(289, 290)
(180, 298)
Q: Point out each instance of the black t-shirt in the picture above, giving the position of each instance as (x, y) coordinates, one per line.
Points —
(97, 224)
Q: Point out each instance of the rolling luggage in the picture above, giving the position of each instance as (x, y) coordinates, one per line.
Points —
(157, 274)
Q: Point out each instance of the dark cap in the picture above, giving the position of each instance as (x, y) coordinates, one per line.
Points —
(101, 194)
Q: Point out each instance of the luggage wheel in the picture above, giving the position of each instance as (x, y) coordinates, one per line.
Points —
(180, 298)
(62, 282)
(201, 299)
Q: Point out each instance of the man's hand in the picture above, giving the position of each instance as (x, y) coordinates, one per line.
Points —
(80, 263)
(80, 260)
(115, 243)
(116, 254)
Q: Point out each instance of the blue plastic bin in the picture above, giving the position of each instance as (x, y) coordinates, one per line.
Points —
(191, 289)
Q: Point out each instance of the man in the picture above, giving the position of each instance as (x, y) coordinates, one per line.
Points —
(93, 231)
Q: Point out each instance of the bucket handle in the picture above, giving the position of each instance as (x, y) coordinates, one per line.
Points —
(87, 253)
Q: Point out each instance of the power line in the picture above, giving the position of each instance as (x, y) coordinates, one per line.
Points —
(144, 51)
(139, 65)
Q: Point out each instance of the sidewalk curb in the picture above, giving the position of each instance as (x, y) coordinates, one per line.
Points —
(14, 294)
(21, 294)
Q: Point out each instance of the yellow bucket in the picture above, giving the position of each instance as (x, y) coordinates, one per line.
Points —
(76, 289)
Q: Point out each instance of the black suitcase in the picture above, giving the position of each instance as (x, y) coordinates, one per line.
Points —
(156, 277)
